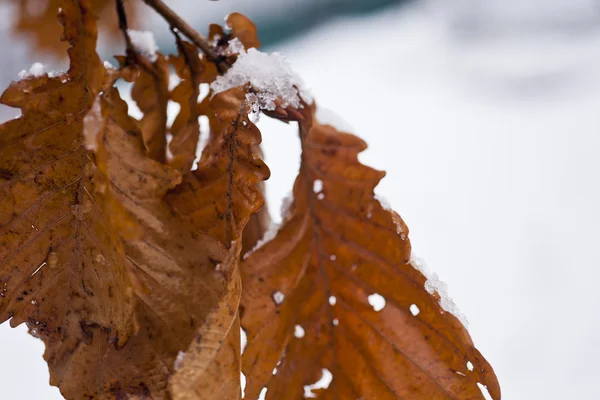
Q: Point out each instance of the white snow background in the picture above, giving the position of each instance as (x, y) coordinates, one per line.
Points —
(492, 152)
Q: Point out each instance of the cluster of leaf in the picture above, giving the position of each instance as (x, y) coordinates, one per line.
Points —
(129, 263)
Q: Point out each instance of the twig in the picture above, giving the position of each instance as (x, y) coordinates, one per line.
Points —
(124, 29)
(176, 22)
(133, 56)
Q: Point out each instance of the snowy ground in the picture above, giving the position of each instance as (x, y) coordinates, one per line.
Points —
(493, 164)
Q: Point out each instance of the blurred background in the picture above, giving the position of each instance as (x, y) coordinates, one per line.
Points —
(486, 116)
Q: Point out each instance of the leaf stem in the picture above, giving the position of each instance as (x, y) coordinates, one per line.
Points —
(177, 22)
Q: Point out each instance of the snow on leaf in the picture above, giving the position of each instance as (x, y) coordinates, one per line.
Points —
(36, 70)
(144, 43)
(62, 264)
(270, 76)
(435, 285)
(334, 257)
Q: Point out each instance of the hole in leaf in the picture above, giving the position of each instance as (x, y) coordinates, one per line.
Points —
(298, 332)
(172, 111)
(484, 391)
(179, 360)
(7, 113)
(336, 322)
(278, 297)
(317, 186)
(376, 301)
(243, 384)
(125, 92)
(470, 366)
(38, 268)
(169, 138)
(414, 309)
(243, 340)
(322, 383)
(204, 90)
(333, 257)
(263, 394)
(332, 300)
(203, 141)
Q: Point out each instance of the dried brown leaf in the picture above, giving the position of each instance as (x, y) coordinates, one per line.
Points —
(306, 295)
(186, 128)
(243, 29)
(229, 170)
(186, 266)
(258, 224)
(111, 214)
(63, 270)
(174, 263)
(212, 363)
(151, 93)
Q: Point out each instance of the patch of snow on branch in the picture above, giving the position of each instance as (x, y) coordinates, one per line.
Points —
(271, 77)
(435, 284)
(144, 43)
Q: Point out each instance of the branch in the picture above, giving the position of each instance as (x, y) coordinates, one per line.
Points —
(133, 56)
(123, 27)
(176, 22)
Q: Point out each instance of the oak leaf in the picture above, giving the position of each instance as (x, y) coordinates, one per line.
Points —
(212, 363)
(151, 93)
(62, 269)
(186, 261)
(76, 134)
(243, 29)
(306, 305)
(186, 128)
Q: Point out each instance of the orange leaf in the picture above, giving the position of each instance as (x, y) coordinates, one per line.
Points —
(229, 171)
(189, 284)
(62, 267)
(186, 129)
(243, 29)
(307, 293)
(151, 93)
